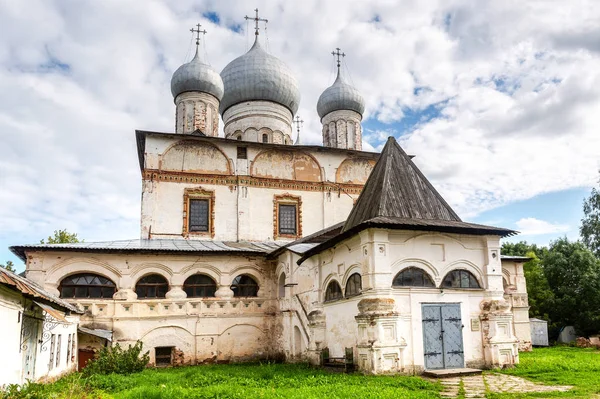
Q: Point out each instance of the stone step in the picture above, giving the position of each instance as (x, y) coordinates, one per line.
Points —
(445, 373)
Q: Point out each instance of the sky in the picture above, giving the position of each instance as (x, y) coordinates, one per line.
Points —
(499, 101)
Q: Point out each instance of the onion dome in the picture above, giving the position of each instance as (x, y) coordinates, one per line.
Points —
(197, 76)
(340, 96)
(259, 76)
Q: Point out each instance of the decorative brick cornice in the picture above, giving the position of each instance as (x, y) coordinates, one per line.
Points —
(250, 181)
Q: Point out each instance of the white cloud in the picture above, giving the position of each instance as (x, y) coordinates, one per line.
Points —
(533, 226)
(517, 83)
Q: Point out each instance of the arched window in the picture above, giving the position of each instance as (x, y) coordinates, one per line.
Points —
(152, 286)
(265, 138)
(413, 277)
(333, 292)
(199, 285)
(460, 279)
(353, 285)
(282, 285)
(86, 285)
(243, 286)
(239, 137)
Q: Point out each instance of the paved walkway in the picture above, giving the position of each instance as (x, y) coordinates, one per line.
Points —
(475, 386)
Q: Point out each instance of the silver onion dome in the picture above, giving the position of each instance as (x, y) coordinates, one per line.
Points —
(340, 96)
(197, 76)
(258, 75)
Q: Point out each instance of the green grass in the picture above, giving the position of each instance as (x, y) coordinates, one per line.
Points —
(238, 381)
(560, 365)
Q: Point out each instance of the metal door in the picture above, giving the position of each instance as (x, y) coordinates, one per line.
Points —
(442, 336)
(30, 328)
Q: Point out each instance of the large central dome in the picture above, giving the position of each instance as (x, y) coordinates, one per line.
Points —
(257, 75)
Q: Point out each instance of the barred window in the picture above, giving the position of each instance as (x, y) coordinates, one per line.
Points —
(333, 292)
(412, 277)
(287, 219)
(199, 285)
(353, 285)
(152, 286)
(244, 286)
(86, 285)
(460, 279)
(58, 350)
(199, 215)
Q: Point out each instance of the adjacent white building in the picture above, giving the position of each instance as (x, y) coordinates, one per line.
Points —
(252, 247)
(39, 337)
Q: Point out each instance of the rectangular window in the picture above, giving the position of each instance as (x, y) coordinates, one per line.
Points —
(199, 215)
(287, 219)
(68, 350)
(242, 153)
(58, 350)
(162, 355)
(73, 345)
(52, 347)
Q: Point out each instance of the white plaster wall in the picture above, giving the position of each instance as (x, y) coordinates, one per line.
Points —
(42, 370)
(11, 365)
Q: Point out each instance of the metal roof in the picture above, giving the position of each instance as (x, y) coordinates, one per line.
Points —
(314, 238)
(301, 248)
(258, 75)
(340, 96)
(153, 246)
(29, 288)
(197, 76)
(515, 258)
(97, 332)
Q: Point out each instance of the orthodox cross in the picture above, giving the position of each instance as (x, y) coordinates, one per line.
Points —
(337, 53)
(197, 32)
(298, 123)
(256, 20)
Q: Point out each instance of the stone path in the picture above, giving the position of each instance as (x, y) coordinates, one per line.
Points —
(475, 386)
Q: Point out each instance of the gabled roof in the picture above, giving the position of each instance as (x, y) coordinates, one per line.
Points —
(396, 188)
(31, 289)
(398, 196)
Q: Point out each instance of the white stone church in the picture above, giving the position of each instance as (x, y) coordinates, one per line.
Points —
(254, 247)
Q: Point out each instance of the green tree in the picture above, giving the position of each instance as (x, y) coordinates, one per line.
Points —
(573, 274)
(61, 237)
(590, 224)
(9, 266)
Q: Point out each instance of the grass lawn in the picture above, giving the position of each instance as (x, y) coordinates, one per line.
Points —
(559, 365)
(236, 381)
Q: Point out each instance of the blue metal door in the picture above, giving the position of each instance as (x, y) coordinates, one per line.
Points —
(442, 336)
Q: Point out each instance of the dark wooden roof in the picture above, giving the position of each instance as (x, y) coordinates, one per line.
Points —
(396, 188)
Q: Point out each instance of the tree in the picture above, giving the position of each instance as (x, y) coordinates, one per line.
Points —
(9, 266)
(61, 237)
(573, 275)
(590, 224)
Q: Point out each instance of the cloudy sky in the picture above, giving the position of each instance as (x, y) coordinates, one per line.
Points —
(498, 100)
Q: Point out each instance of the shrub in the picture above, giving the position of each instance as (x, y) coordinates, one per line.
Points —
(117, 360)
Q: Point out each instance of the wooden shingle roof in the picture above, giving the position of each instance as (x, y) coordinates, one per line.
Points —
(396, 188)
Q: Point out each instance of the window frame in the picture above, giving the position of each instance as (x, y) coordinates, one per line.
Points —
(195, 286)
(411, 268)
(470, 275)
(198, 193)
(326, 298)
(87, 287)
(349, 281)
(148, 285)
(290, 200)
(245, 285)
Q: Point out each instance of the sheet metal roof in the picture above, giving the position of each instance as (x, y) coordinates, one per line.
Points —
(31, 289)
(104, 334)
(153, 246)
(515, 258)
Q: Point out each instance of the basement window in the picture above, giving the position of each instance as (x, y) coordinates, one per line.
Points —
(163, 355)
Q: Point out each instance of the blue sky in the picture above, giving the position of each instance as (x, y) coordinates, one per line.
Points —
(497, 101)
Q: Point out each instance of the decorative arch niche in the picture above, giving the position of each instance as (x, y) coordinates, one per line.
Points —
(354, 170)
(193, 156)
(287, 165)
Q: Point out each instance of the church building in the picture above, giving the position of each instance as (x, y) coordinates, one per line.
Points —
(255, 246)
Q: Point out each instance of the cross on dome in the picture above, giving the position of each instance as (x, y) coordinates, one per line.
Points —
(256, 20)
(337, 53)
(197, 32)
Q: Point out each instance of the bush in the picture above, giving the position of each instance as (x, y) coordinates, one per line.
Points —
(117, 360)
